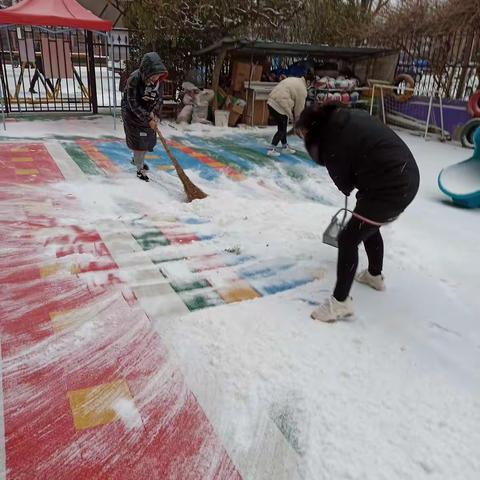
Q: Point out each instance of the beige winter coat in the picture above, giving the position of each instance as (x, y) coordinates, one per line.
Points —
(289, 96)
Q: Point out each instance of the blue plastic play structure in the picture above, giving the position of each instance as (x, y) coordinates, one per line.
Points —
(461, 181)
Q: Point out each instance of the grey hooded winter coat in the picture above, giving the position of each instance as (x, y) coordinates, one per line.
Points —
(140, 100)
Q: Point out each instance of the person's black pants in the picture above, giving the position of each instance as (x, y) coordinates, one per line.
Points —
(282, 125)
(356, 232)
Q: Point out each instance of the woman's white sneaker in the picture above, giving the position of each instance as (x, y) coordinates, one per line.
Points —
(288, 149)
(375, 281)
(332, 310)
(273, 152)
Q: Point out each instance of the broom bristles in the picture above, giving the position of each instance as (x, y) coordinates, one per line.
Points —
(191, 190)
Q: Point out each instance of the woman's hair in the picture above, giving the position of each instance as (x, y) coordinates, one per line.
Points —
(309, 76)
(317, 116)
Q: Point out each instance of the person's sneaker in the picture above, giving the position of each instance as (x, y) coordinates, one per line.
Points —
(375, 281)
(145, 166)
(288, 149)
(32, 90)
(332, 310)
(141, 175)
(273, 152)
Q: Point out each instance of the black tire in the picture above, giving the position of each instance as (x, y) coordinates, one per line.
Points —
(466, 135)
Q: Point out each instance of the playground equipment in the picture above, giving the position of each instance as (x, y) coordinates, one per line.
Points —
(473, 105)
(461, 182)
(467, 132)
(398, 107)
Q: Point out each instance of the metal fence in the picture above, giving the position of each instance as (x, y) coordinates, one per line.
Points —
(449, 63)
(63, 70)
(70, 70)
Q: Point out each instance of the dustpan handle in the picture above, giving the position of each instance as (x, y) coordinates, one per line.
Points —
(363, 219)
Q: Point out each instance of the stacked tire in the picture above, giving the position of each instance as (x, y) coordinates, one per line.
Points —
(400, 94)
(473, 107)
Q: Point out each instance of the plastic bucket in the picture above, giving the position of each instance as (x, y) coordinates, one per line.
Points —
(221, 118)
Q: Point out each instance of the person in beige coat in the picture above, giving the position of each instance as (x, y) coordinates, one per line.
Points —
(285, 103)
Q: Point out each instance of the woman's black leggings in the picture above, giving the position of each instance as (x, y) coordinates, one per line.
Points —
(282, 125)
(356, 232)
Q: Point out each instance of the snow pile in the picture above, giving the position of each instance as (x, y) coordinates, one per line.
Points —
(392, 394)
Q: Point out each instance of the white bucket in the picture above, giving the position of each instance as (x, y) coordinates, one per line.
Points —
(221, 118)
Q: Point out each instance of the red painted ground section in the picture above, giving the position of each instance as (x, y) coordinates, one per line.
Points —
(27, 164)
(148, 425)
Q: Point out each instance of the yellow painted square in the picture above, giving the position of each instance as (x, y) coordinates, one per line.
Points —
(237, 292)
(26, 171)
(160, 222)
(64, 319)
(49, 270)
(92, 407)
(75, 269)
(20, 149)
(22, 159)
(166, 167)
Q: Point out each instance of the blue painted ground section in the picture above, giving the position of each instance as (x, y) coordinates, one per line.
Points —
(244, 153)
(121, 156)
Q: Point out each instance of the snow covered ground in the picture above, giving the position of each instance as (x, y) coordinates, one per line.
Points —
(393, 393)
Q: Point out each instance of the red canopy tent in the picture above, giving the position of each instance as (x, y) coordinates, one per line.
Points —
(53, 13)
(58, 13)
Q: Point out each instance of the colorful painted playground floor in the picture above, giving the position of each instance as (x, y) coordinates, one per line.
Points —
(89, 388)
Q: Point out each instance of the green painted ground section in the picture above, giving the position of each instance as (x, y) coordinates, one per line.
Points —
(186, 286)
(158, 261)
(196, 294)
(200, 300)
(243, 152)
(81, 158)
(151, 239)
(286, 422)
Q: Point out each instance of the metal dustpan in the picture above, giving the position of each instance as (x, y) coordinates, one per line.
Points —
(337, 224)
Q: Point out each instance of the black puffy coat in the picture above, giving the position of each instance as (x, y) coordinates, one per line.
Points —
(361, 152)
(140, 100)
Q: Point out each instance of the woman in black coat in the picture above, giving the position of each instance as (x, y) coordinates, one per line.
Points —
(359, 153)
(141, 109)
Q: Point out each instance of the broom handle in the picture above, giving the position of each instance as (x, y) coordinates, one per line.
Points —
(169, 153)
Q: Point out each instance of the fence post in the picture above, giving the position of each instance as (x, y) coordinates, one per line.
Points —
(465, 65)
(4, 91)
(92, 82)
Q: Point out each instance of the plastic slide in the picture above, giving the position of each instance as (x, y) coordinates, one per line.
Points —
(461, 181)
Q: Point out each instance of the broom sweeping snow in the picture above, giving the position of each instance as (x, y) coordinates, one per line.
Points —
(192, 191)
